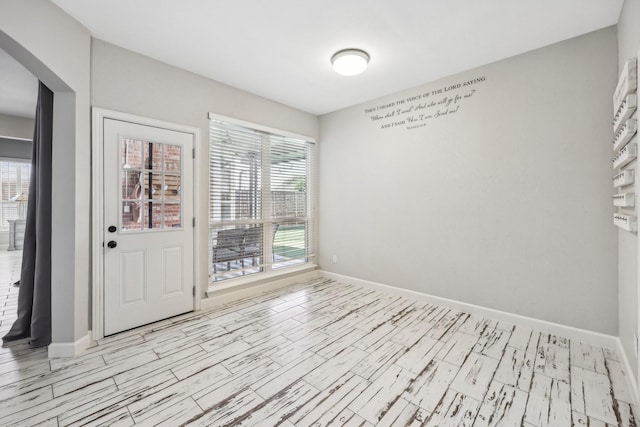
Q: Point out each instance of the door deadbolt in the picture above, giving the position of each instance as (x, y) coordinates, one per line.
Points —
(112, 229)
(112, 244)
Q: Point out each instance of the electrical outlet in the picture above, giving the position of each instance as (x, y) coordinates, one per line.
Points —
(335, 259)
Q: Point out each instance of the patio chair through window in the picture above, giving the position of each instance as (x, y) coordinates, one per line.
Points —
(228, 247)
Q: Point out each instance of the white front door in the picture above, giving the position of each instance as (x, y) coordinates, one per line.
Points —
(148, 232)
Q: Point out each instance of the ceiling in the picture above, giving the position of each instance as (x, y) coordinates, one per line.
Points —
(281, 49)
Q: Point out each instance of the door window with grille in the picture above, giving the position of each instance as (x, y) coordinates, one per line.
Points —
(151, 183)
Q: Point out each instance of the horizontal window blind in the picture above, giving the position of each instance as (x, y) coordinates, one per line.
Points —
(14, 184)
(289, 199)
(235, 173)
(259, 200)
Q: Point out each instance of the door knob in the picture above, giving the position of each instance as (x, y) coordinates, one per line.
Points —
(112, 229)
(112, 244)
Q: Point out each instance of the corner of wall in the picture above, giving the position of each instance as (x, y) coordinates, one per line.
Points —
(69, 349)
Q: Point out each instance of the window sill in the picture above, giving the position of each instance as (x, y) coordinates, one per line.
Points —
(215, 290)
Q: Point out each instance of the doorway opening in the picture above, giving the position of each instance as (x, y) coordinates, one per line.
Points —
(70, 190)
(146, 237)
(17, 112)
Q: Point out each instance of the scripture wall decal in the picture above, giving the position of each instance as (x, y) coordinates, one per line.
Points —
(418, 110)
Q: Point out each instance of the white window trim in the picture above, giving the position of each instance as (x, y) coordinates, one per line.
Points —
(259, 127)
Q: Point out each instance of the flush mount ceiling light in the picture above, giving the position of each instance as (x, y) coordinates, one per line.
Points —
(350, 62)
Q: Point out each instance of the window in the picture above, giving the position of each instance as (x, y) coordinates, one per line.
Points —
(14, 180)
(259, 201)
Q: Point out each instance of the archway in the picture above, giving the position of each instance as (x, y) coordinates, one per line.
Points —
(69, 301)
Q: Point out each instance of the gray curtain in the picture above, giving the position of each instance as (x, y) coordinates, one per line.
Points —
(34, 297)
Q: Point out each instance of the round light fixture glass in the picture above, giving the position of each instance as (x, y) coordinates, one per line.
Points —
(350, 62)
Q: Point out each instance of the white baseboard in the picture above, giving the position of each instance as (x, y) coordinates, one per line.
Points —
(229, 294)
(69, 349)
(594, 338)
(631, 381)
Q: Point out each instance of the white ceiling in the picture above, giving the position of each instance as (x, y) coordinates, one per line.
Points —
(281, 49)
(18, 88)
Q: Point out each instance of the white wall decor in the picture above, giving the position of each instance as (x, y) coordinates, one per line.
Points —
(625, 110)
(624, 178)
(627, 84)
(625, 133)
(626, 222)
(625, 127)
(625, 155)
(626, 200)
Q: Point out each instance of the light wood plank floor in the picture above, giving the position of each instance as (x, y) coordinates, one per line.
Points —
(321, 353)
(10, 262)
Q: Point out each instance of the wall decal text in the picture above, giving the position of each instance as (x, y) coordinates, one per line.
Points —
(416, 111)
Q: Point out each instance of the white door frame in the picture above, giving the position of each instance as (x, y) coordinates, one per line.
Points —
(97, 207)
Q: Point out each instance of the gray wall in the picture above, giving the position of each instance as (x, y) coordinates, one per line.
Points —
(505, 204)
(124, 81)
(16, 127)
(56, 49)
(628, 46)
(15, 137)
(15, 148)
